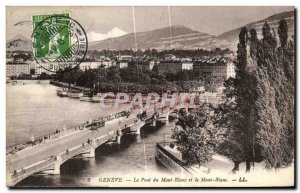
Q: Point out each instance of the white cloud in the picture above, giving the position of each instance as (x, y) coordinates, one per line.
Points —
(114, 32)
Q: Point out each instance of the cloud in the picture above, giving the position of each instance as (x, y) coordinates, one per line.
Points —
(114, 32)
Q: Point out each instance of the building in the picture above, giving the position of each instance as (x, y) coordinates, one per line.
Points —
(146, 65)
(204, 67)
(230, 69)
(165, 66)
(91, 65)
(122, 64)
(219, 72)
(48, 68)
(219, 69)
(124, 57)
(9, 60)
(170, 57)
(33, 67)
(17, 69)
(106, 63)
(174, 66)
(187, 64)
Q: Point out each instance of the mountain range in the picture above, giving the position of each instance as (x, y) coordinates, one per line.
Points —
(174, 37)
(19, 42)
(232, 35)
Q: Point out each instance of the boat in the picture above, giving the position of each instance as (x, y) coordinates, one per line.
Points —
(86, 98)
(62, 92)
(112, 99)
(109, 99)
(101, 97)
(97, 98)
(143, 96)
(43, 81)
(8, 80)
(74, 94)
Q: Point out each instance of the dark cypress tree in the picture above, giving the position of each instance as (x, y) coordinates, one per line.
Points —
(275, 99)
(245, 98)
(241, 114)
(283, 32)
(259, 110)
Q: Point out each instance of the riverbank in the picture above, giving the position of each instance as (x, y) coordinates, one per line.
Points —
(23, 82)
(71, 86)
(219, 170)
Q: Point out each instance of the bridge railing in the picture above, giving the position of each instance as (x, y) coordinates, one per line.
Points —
(102, 140)
(71, 153)
(24, 172)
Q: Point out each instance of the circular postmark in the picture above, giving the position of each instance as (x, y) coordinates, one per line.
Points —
(59, 43)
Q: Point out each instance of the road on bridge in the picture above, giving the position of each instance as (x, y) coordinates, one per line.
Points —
(34, 154)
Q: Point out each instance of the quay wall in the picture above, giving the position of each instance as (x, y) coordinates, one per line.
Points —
(175, 165)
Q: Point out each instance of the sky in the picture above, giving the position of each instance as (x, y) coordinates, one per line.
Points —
(104, 22)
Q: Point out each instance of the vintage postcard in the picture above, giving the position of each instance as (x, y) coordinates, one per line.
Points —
(159, 96)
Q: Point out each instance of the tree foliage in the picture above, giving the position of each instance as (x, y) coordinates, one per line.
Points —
(195, 138)
(275, 104)
(259, 110)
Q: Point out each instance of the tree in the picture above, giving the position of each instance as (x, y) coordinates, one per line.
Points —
(44, 76)
(238, 113)
(283, 32)
(116, 78)
(195, 138)
(146, 79)
(259, 110)
(155, 69)
(181, 75)
(275, 102)
(226, 116)
(170, 76)
(154, 52)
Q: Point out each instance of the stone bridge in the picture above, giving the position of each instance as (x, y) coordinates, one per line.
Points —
(47, 157)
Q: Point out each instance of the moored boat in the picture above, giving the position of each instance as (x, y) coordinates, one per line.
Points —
(100, 97)
(62, 92)
(97, 98)
(8, 80)
(74, 94)
(86, 98)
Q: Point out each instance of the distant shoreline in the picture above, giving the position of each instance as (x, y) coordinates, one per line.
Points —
(28, 81)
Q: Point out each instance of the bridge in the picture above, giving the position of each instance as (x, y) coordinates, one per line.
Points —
(47, 157)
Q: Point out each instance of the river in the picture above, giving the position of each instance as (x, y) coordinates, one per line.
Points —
(34, 109)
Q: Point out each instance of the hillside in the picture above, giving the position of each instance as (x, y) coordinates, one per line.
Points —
(232, 35)
(19, 42)
(160, 39)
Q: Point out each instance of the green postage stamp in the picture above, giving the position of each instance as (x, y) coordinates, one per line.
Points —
(59, 42)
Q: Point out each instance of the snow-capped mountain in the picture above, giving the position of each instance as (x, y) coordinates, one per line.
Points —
(113, 33)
